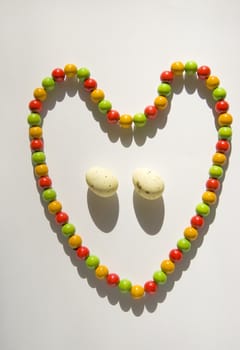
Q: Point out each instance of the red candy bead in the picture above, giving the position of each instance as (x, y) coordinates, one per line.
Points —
(61, 218)
(44, 182)
(90, 84)
(203, 72)
(113, 116)
(82, 252)
(150, 287)
(151, 112)
(175, 255)
(212, 184)
(221, 106)
(223, 146)
(36, 144)
(112, 279)
(167, 76)
(35, 106)
(58, 74)
(197, 221)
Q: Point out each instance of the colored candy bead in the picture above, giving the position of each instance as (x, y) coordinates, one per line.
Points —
(225, 119)
(161, 102)
(90, 84)
(164, 89)
(219, 93)
(137, 291)
(219, 158)
(70, 70)
(83, 74)
(112, 279)
(151, 112)
(58, 75)
(139, 119)
(35, 106)
(191, 67)
(48, 83)
(41, 170)
(34, 119)
(223, 146)
(54, 207)
(35, 131)
(212, 82)
(83, 252)
(175, 255)
(125, 121)
(74, 241)
(184, 245)
(112, 116)
(124, 285)
(197, 221)
(49, 195)
(216, 171)
(101, 272)
(61, 218)
(167, 76)
(203, 72)
(212, 184)
(209, 197)
(67, 229)
(36, 144)
(38, 157)
(167, 266)
(150, 287)
(190, 233)
(97, 95)
(44, 182)
(202, 209)
(160, 277)
(177, 68)
(221, 106)
(92, 262)
(104, 106)
(40, 94)
(225, 132)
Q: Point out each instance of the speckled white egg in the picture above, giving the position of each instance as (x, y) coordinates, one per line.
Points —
(101, 181)
(147, 183)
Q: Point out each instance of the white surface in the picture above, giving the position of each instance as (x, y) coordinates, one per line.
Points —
(45, 302)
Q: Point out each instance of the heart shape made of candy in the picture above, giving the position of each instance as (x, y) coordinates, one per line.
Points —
(97, 96)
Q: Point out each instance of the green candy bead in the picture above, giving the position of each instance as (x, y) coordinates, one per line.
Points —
(184, 245)
(83, 73)
(225, 132)
(38, 157)
(202, 209)
(219, 93)
(140, 119)
(92, 262)
(48, 84)
(160, 277)
(191, 67)
(49, 195)
(125, 285)
(34, 119)
(68, 230)
(164, 89)
(216, 171)
(104, 106)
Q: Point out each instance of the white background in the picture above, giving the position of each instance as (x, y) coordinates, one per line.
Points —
(48, 299)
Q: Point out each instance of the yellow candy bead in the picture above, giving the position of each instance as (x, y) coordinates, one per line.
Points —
(101, 272)
(97, 95)
(41, 170)
(225, 119)
(137, 291)
(161, 102)
(40, 94)
(219, 158)
(74, 241)
(70, 70)
(212, 82)
(35, 132)
(167, 266)
(177, 68)
(190, 233)
(125, 121)
(209, 197)
(54, 207)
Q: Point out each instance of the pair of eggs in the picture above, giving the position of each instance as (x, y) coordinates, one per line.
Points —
(147, 183)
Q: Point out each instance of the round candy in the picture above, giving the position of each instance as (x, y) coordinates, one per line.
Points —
(41, 170)
(175, 255)
(209, 197)
(223, 146)
(75, 241)
(125, 121)
(54, 207)
(177, 68)
(161, 102)
(113, 279)
(212, 184)
(225, 119)
(38, 157)
(101, 272)
(34, 119)
(147, 183)
(83, 252)
(151, 112)
(92, 261)
(225, 132)
(212, 82)
(70, 70)
(197, 221)
(49, 195)
(68, 229)
(202, 209)
(203, 72)
(40, 94)
(112, 116)
(58, 74)
(104, 106)
(125, 285)
(190, 233)
(219, 93)
(216, 171)
(36, 144)
(101, 181)
(221, 106)
(97, 95)
(184, 245)
(35, 132)
(139, 119)
(219, 158)
(164, 89)
(191, 67)
(150, 287)
(90, 84)
(83, 73)
(167, 266)
(44, 182)
(160, 277)
(137, 291)
(35, 106)
(48, 83)
(61, 218)
(167, 76)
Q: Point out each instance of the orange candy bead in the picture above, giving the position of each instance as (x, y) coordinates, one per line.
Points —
(41, 170)
(219, 158)
(137, 291)
(75, 241)
(225, 119)
(40, 94)
(177, 68)
(167, 266)
(212, 82)
(35, 132)
(161, 102)
(70, 70)
(101, 271)
(54, 207)
(190, 233)
(209, 197)
(125, 121)
(97, 95)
